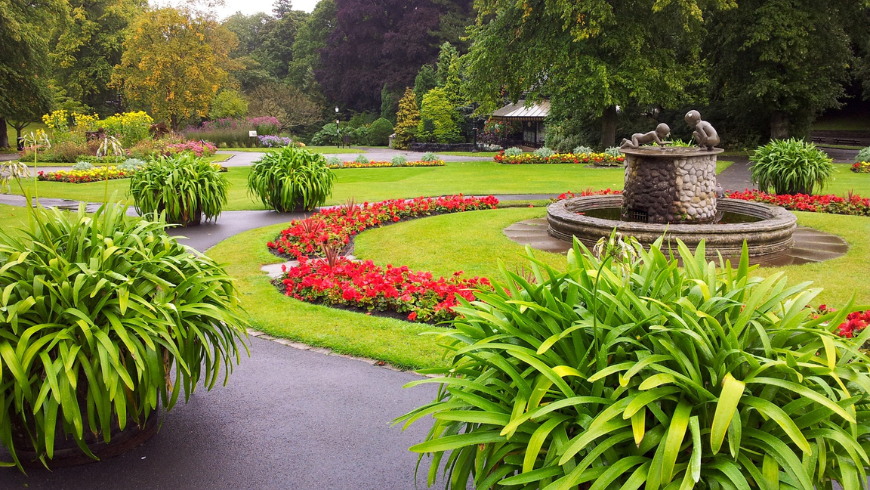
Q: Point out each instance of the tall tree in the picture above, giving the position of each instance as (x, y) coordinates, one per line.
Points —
(310, 39)
(376, 42)
(782, 61)
(85, 54)
(278, 42)
(24, 64)
(589, 56)
(174, 62)
(252, 32)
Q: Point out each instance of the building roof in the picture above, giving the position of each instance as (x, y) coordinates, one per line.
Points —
(519, 111)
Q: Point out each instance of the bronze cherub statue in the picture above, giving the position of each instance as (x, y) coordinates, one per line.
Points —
(704, 134)
(640, 139)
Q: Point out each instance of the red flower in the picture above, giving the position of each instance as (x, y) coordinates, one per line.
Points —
(412, 316)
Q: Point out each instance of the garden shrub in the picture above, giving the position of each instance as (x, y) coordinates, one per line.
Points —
(82, 166)
(184, 187)
(328, 135)
(429, 157)
(380, 132)
(790, 167)
(863, 155)
(613, 151)
(513, 152)
(580, 150)
(399, 160)
(131, 165)
(627, 370)
(407, 120)
(291, 178)
(113, 309)
(334, 162)
(129, 127)
(361, 159)
(436, 107)
(544, 152)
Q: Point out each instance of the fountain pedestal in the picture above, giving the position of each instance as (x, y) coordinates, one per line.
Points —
(670, 185)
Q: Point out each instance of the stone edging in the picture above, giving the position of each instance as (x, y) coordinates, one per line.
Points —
(329, 352)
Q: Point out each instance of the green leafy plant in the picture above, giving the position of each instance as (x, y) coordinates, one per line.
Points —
(613, 151)
(790, 167)
(628, 371)
(429, 157)
(334, 162)
(288, 178)
(580, 150)
(544, 152)
(103, 318)
(82, 166)
(513, 152)
(361, 159)
(399, 160)
(863, 155)
(184, 187)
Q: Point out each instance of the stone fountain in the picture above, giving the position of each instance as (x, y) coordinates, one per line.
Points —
(673, 192)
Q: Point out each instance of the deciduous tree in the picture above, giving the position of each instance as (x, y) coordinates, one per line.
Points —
(24, 66)
(588, 56)
(287, 103)
(174, 62)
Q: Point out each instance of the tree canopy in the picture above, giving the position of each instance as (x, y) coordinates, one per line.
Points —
(174, 63)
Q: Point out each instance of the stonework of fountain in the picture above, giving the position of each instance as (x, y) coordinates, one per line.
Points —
(673, 192)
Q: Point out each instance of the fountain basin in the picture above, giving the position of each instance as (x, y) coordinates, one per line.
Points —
(771, 232)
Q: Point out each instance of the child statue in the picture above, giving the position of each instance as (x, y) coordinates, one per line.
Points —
(640, 139)
(704, 134)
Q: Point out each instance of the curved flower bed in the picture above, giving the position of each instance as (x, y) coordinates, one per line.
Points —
(83, 176)
(365, 285)
(861, 167)
(334, 227)
(852, 205)
(337, 281)
(587, 192)
(600, 159)
(375, 164)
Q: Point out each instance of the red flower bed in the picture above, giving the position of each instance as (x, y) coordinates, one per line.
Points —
(587, 192)
(367, 286)
(829, 203)
(334, 227)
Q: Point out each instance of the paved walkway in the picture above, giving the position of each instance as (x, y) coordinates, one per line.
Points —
(245, 158)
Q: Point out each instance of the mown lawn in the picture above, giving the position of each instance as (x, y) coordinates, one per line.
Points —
(845, 180)
(472, 242)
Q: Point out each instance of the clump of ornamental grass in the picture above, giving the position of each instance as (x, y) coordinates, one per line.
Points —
(627, 372)
(291, 178)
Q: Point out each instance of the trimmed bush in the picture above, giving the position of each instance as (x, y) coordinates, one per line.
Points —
(628, 370)
(104, 318)
(183, 187)
(790, 167)
(380, 132)
(291, 178)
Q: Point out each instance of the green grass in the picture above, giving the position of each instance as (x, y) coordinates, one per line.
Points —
(852, 122)
(12, 134)
(845, 180)
(474, 243)
(13, 218)
(397, 342)
(721, 165)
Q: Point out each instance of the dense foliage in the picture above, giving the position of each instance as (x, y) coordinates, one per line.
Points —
(438, 119)
(291, 178)
(407, 120)
(852, 204)
(627, 371)
(184, 187)
(105, 317)
(790, 167)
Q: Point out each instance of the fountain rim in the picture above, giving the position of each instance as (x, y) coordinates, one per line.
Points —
(669, 152)
(772, 217)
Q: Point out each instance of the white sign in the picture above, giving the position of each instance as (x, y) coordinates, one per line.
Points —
(252, 134)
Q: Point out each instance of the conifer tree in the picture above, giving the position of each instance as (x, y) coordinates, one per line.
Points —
(407, 119)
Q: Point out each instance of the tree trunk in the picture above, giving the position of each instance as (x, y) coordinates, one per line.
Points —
(173, 123)
(778, 126)
(4, 133)
(608, 127)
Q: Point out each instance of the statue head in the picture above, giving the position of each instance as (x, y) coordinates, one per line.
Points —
(693, 117)
(663, 130)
